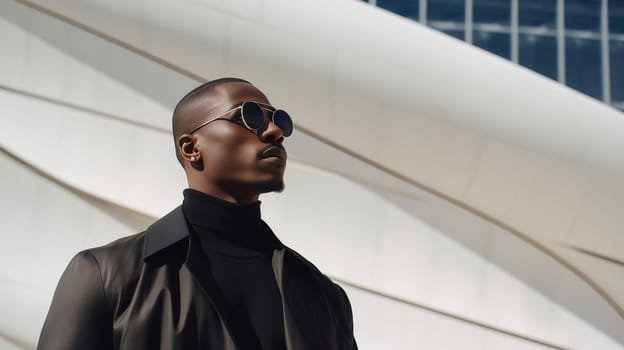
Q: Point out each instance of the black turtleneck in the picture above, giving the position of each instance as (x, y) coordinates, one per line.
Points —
(240, 247)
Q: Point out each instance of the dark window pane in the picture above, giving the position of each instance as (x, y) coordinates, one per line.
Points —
(539, 53)
(404, 8)
(582, 15)
(446, 10)
(537, 13)
(617, 72)
(491, 11)
(498, 43)
(583, 68)
(616, 16)
(459, 34)
(447, 16)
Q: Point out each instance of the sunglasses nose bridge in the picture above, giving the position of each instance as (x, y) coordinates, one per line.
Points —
(271, 132)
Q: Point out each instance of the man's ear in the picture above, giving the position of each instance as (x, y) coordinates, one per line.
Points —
(187, 146)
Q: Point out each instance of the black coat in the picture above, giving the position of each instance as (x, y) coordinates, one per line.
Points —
(154, 290)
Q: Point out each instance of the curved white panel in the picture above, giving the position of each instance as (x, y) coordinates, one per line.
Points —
(385, 324)
(8, 345)
(49, 58)
(98, 155)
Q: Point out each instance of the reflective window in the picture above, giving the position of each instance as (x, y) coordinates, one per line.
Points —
(583, 68)
(447, 16)
(458, 34)
(537, 35)
(446, 10)
(616, 16)
(537, 13)
(539, 53)
(491, 26)
(491, 11)
(582, 15)
(497, 43)
(537, 41)
(617, 73)
(404, 8)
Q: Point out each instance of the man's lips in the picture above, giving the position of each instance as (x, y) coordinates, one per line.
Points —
(274, 150)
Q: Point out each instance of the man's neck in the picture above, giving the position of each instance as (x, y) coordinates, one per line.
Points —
(237, 197)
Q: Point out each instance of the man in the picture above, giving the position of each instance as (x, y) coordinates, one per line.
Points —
(210, 274)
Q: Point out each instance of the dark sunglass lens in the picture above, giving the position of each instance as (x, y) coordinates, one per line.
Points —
(252, 114)
(283, 121)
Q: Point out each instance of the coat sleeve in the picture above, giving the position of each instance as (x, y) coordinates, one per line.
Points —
(348, 314)
(78, 317)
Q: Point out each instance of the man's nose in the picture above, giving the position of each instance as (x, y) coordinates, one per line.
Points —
(272, 133)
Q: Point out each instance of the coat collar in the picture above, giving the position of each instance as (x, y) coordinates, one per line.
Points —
(170, 229)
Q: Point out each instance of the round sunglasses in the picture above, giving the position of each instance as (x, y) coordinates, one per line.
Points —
(252, 115)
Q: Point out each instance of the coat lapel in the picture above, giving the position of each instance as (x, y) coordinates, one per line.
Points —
(278, 269)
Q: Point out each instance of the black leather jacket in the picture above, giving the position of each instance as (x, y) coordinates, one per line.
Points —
(153, 290)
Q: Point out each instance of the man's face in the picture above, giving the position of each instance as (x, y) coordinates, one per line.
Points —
(234, 157)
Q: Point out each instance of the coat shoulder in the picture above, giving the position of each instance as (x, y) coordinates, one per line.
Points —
(125, 254)
(120, 264)
(132, 244)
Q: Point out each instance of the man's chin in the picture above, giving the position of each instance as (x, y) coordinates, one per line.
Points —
(272, 186)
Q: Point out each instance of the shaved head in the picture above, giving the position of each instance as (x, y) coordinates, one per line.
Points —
(183, 120)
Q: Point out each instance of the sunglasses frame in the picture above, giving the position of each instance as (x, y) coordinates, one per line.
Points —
(263, 106)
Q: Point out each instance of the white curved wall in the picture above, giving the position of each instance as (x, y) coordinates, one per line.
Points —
(88, 150)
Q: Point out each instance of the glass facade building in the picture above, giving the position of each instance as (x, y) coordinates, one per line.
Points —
(579, 43)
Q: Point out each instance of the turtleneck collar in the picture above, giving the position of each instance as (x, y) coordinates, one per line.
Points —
(217, 214)
(238, 224)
